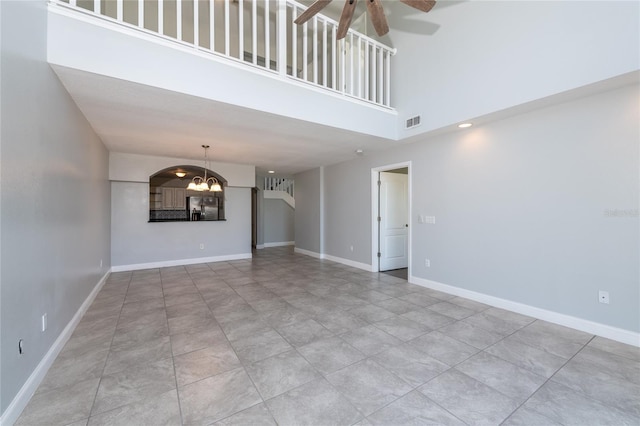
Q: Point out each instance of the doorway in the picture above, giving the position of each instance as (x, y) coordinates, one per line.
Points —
(391, 224)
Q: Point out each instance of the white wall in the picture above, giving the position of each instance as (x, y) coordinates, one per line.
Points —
(136, 243)
(522, 208)
(55, 204)
(487, 56)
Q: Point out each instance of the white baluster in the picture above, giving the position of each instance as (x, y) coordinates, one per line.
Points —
(254, 30)
(380, 77)
(281, 36)
(96, 6)
(367, 67)
(315, 49)
(351, 55)
(226, 27)
(119, 13)
(267, 36)
(141, 13)
(294, 45)
(212, 26)
(161, 17)
(387, 100)
(305, 27)
(241, 30)
(334, 54)
(196, 22)
(179, 19)
(324, 53)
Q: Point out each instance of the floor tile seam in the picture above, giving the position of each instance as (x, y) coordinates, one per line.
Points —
(549, 379)
(636, 362)
(95, 397)
(540, 348)
(344, 366)
(506, 360)
(605, 403)
(490, 330)
(402, 340)
(173, 359)
(416, 390)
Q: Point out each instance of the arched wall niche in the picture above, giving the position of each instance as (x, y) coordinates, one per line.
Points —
(171, 201)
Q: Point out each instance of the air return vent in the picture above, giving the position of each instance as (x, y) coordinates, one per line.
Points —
(412, 122)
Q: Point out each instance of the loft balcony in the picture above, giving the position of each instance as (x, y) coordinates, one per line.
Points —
(241, 52)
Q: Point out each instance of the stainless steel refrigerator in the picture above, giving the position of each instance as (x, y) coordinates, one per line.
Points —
(203, 207)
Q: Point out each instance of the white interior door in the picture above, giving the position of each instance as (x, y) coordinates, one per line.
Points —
(394, 220)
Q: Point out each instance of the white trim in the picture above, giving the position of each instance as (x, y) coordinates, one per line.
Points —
(259, 246)
(280, 244)
(180, 262)
(341, 260)
(375, 267)
(613, 333)
(280, 195)
(308, 253)
(352, 263)
(63, 9)
(17, 405)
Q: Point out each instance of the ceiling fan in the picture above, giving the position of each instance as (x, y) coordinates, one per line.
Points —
(376, 12)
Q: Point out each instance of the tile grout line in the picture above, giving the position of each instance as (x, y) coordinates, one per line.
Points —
(91, 414)
(547, 381)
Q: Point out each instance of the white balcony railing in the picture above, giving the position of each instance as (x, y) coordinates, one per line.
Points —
(261, 33)
(279, 184)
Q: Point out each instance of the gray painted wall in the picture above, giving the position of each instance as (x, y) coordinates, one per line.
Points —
(54, 196)
(136, 241)
(278, 221)
(308, 211)
(522, 207)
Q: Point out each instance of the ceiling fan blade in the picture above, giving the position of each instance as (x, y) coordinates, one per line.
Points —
(376, 13)
(423, 5)
(345, 18)
(311, 11)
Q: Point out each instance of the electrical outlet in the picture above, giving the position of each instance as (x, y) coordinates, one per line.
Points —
(430, 219)
(201, 246)
(351, 248)
(44, 322)
(100, 263)
(420, 218)
(427, 263)
(603, 297)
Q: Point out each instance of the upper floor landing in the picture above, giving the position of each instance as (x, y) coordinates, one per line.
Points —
(245, 53)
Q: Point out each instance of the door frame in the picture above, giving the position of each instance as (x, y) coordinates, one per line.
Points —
(375, 201)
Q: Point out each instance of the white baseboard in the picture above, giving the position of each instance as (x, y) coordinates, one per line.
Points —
(352, 263)
(180, 262)
(259, 246)
(307, 253)
(613, 333)
(281, 244)
(15, 408)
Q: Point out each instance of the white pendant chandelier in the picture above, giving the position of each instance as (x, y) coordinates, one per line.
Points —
(200, 183)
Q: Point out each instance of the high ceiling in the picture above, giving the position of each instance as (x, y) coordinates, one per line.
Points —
(135, 118)
(140, 119)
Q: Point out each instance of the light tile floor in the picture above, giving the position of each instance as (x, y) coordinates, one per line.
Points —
(287, 339)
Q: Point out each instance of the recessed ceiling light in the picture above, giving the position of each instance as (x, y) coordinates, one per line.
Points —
(271, 171)
(359, 152)
(181, 174)
(465, 125)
